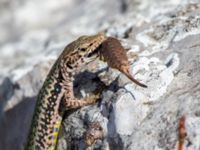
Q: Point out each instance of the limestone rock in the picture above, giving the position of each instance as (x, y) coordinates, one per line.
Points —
(162, 41)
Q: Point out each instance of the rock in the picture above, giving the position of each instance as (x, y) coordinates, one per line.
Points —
(162, 41)
(18, 103)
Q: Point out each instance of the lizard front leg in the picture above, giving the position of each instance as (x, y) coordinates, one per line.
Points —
(74, 103)
(70, 102)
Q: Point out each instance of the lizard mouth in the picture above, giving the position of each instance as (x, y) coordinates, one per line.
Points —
(95, 52)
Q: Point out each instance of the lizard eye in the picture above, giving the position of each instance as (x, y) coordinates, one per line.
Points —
(82, 49)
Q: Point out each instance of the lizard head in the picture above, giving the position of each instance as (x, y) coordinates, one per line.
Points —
(88, 46)
(83, 50)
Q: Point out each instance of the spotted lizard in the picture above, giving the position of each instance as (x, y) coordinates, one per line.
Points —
(56, 94)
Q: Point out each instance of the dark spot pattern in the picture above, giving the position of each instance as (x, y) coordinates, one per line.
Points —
(57, 88)
(82, 49)
(69, 66)
(44, 113)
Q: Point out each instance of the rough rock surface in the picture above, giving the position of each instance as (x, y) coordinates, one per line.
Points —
(163, 45)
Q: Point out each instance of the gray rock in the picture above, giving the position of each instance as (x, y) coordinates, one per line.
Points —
(162, 39)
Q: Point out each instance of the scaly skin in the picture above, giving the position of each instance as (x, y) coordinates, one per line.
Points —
(114, 54)
(56, 94)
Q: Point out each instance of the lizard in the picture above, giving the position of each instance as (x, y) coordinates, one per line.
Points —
(114, 54)
(56, 94)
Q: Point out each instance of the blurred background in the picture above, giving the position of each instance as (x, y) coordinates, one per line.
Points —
(34, 31)
(32, 27)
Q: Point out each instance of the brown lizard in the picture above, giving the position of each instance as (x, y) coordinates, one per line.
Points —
(56, 94)
(114, 54)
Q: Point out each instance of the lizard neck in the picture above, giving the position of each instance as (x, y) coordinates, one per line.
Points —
(69, 65)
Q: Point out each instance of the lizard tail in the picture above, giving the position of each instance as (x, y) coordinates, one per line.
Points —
(126, 71)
